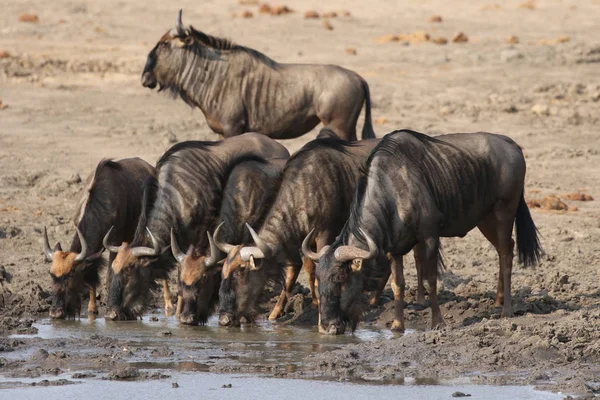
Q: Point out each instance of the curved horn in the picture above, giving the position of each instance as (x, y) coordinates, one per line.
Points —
(48, 253)
(306, 247)
(147, 251)
(178, 254)
(180, 27)
(213, 255)
(348, 253)
(108, 246)
(257, 240)
(81, 256)
(224, 247)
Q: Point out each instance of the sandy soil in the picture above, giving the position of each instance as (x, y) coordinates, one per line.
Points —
(71, 86)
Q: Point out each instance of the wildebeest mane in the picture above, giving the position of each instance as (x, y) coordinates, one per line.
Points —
(223, 44)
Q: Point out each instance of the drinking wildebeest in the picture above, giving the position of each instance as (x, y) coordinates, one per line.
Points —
(315, 190)
(242, 90)
(112, 196)
(242, 200)
(417, 189)
(185, 197)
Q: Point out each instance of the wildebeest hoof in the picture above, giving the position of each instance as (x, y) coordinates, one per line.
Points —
(274, 315)
(436, 326)
(507, 314)
(169, 310)
(397, 326)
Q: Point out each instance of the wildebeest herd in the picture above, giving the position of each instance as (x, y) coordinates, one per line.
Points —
(233, 214)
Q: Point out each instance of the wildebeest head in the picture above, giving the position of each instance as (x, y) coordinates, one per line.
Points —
(242, 280)
(198, 281)
(132, 278)
(168, 58)
(67, 272)
(339, 282)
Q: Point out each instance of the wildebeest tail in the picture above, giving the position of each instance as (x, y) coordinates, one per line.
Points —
(150, 189)
(367, 132)
(528, 242)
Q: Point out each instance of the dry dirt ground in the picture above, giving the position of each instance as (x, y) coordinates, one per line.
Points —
(71, 95)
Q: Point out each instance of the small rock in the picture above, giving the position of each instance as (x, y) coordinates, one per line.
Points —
(281, 10)
(82, 375)
(512, 39)
(165, 333)
(346, 13)
(311, 14)
(327, 25)
(227, 386)
(38, 355)
(440, 40)
(174, 385)
(460, 394)
(460, 37)
(579, 197)
(529, 4)
(387, 39)
(553, 203)
(330, 14)
(435, 19)
(170, 138)
(540, 109)
(511, 109)
(351, 51)
(31, 18)
(4, 54)
(510, 55)
(2, 105)
(247, 14)
(248, 2)
(74, 179)
(124, 374)
(264, 8)
(445, 110)
(381, 121)
(154, 319)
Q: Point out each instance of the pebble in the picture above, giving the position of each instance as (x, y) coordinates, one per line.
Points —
(460, 394)
(511, 55)
(540, 109)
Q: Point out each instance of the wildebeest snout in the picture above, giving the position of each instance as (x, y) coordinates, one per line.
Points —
(149, 80)
(57, 313)
(227, 320)
(334, 328)
(188, 319)
(111, 314)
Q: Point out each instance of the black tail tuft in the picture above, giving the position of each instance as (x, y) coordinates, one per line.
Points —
(528, 242)
(367, 132)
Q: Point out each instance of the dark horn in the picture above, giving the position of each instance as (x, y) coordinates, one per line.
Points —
(349, 253)
(224, 247)
(180, 27)
(306, 247)
(108, 246)
(81, 256)
(213, 255)
(48, 253)
(177, 253)
(147, 251)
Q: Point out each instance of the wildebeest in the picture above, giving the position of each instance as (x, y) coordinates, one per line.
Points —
(315, 190)
(184, 197)
(242, 200)
(112, 196)
(242, 90)
(417, 189)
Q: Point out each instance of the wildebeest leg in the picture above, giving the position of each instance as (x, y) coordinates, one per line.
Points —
(430, 270)
(309, 266)
(92, 310)
(488, 227)
(291, 274)
(374, 302)
(398, 287)
(167, 296)
(418, 254)
(179, 305)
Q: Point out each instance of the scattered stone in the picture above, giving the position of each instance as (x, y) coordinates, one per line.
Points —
(154, 319)
(58, 382)
(38, 355)
(227, 386)
(553, 203)
(540, 109)
(529, 5)
(460, 37)
(512, 39)
(161, 352)
(247, 14)
(311, 14)
(387, 39)
(2, 105)
(446, 110)
(123, 374)
(174, 385)
(511, 109)
(435, 19)
(551, 42)
(351, 51)
(327, 25)
(170, 138)
(4, 54)
(31, 18)
(281, 10)
(330, 14)
(440, 40)
(74, 179)
(510, 55)
(265, 8)
(579, 197)
(346, 13)
(248, 2)
(82, 375)
(460, 394)
(165, 333)
(381, 121)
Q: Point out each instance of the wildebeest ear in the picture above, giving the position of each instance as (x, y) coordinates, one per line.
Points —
(58, 247)
(177, 42)
(357, 264)
(95, 256)
(188, 41)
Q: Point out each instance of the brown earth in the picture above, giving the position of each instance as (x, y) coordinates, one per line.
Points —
(71, 95)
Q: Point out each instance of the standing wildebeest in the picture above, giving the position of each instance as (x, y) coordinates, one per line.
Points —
(315, 190)
(416, 190)
(112, 196)
(242, 90)
(242, 200)
(185, 197)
